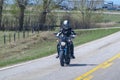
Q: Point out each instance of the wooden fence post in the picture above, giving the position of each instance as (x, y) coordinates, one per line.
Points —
(24, 34)
(14, 37)
(9, 37)
(4, 38)
(18, 35)
(28, 33)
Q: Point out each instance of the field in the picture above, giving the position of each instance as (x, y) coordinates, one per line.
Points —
(107, 20)
(42, 44)
(112, 18)
(17, 47)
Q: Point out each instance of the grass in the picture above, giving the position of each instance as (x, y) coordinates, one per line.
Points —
(99, 18)
(87, 36)
(11, 36)
(43, 44)
(112, 17)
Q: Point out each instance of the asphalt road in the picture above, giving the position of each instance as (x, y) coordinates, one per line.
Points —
(96, 60)
(105, 12)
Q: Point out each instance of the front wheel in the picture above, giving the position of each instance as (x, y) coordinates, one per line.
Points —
(67, 60)
(61, 57)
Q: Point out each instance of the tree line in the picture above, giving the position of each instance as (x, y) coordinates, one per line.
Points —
(22, 15)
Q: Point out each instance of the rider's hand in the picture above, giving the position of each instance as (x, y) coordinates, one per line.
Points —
(73, 36)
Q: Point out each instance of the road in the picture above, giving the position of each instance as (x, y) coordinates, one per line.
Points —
(105, 12)
(96, 60)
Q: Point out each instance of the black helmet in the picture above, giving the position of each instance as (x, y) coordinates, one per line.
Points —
(66, 24)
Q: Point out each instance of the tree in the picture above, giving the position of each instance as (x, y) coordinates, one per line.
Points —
(45, 11)
(86, 7)
(1, 8)
(22, 5)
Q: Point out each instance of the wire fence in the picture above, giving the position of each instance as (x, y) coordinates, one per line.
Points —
(13, 36)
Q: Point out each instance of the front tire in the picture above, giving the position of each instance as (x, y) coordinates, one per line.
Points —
(61, 57)
(67, 60)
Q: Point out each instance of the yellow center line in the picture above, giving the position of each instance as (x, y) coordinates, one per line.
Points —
(88, 78)
(104, 65)
(107, 65)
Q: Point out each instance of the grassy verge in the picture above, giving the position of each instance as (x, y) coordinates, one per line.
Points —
(43, 44)
(115, 18)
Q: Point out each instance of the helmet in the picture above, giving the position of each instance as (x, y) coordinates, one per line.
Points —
(66, 24)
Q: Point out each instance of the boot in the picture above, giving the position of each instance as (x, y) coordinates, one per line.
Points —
(57, 51)
(72, 56)
(57, 56)
(72, 51)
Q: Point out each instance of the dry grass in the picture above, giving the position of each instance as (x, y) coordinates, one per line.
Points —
(20, 46)
(107, 24)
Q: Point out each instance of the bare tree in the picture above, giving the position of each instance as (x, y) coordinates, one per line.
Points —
(22, 5)
(58, 2)
(46, 4)
(86, 8)
(1, 8)
(45, 9)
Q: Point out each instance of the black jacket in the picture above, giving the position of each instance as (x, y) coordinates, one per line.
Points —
(67, 32)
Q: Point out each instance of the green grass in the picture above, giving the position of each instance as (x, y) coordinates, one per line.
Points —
(112, 17)
(99, 18)
(87, 36)
(104, 18)
(43, 44)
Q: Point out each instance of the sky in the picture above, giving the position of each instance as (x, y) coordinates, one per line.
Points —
(114, 1)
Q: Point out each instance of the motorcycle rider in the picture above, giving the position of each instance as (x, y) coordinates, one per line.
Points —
(67, 31)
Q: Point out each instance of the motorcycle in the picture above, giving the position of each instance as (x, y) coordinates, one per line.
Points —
(64, 49)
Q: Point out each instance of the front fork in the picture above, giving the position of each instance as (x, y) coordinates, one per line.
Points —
(69, 51)
(64, 49)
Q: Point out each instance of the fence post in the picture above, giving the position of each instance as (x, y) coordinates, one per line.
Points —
(4, 38)
(24, 34)
(9, 37)
(38, 28)
(28, 33)
(18, 35)
(38, 31)
(14, 37)
(32, 30)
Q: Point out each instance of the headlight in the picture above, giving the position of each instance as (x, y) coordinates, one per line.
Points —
(63, 43)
